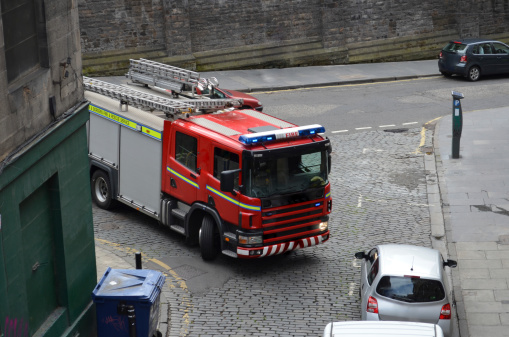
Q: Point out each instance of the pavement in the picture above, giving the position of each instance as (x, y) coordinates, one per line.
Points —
(468, 197)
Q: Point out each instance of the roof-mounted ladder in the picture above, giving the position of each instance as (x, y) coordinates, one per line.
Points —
(161, 75)
(170, 107)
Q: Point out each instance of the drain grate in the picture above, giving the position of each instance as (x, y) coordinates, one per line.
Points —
(396, 130)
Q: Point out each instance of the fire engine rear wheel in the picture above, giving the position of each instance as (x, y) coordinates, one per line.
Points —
(208, 239)
(101, 190)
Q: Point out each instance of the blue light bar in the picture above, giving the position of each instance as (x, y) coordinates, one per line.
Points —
(268, 136)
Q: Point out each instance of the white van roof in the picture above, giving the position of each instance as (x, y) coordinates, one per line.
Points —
(382, 328)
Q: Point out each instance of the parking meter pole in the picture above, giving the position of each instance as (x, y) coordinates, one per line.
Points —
(457, 123)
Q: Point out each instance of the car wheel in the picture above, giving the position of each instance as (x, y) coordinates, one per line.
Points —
(207, 239)
(101, 190)
(446, 74)
(474, 73)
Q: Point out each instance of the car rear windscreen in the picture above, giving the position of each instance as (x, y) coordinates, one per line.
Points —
(410, 289)
(455, 47)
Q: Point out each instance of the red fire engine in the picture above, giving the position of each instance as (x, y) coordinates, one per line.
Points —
(239, 182)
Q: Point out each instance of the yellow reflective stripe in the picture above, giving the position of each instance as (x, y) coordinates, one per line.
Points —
(113, 117)
(183, 178)
(233, 201)
(125, 122)
(327, 195)
(151, 132)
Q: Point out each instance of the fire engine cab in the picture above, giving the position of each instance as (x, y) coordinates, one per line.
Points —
(238, 182)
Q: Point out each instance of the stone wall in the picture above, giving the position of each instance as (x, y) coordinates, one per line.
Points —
(232, 34)
(26, 109)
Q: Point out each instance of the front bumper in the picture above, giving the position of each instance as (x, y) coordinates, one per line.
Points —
(253, 253)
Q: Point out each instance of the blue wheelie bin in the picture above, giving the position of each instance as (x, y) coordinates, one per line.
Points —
(127, 302)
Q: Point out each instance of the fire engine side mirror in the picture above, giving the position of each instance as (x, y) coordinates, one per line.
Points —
(329, 156)
(228, 180)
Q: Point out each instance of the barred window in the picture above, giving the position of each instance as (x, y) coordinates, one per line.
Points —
(24, 30)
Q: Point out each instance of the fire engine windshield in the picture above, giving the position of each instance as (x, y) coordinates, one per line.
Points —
(284, 172)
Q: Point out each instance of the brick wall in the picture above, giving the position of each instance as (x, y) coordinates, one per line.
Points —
(277, 33)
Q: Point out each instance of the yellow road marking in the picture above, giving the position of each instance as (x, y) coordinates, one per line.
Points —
(423, 135)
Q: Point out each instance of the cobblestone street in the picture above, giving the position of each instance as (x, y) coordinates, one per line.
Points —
(379, 196)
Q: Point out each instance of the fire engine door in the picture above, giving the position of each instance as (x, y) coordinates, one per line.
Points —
(226, 203)
(183, 170)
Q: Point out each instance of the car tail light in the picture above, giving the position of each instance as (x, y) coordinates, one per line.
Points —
(440, 55)
(373, 306)
(463, 59)
(445, 313)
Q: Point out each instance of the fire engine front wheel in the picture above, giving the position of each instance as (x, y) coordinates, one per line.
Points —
(208, 239)
(101, 189)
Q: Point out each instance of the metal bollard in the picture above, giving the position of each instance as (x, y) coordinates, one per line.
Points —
(457, 123)
(138, 260)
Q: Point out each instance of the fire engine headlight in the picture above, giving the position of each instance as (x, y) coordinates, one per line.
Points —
(323, 225)
(250, 240)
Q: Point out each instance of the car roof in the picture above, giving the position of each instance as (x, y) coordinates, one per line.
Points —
(381, 328)
(400, 260)
(473, 40)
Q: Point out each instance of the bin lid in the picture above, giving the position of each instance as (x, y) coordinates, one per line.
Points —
(129, 284)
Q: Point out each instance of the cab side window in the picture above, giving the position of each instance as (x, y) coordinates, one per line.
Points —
(225, 161)
(186, 150)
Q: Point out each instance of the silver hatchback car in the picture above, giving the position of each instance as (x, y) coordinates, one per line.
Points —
(405, 283)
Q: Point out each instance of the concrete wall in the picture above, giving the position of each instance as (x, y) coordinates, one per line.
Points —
(233, 34)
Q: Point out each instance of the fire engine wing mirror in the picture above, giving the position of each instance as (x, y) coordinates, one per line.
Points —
(329, 156)
(228, 180)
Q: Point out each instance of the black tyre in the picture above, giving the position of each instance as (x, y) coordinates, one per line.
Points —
(208, 239)
(101, 190)
(474, 73)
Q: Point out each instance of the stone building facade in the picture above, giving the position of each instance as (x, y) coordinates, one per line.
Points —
(233, 34)
(47, 251)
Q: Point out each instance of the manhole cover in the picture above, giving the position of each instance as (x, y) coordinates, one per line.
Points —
(396, 130)
(109, 226)
(187, 272)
